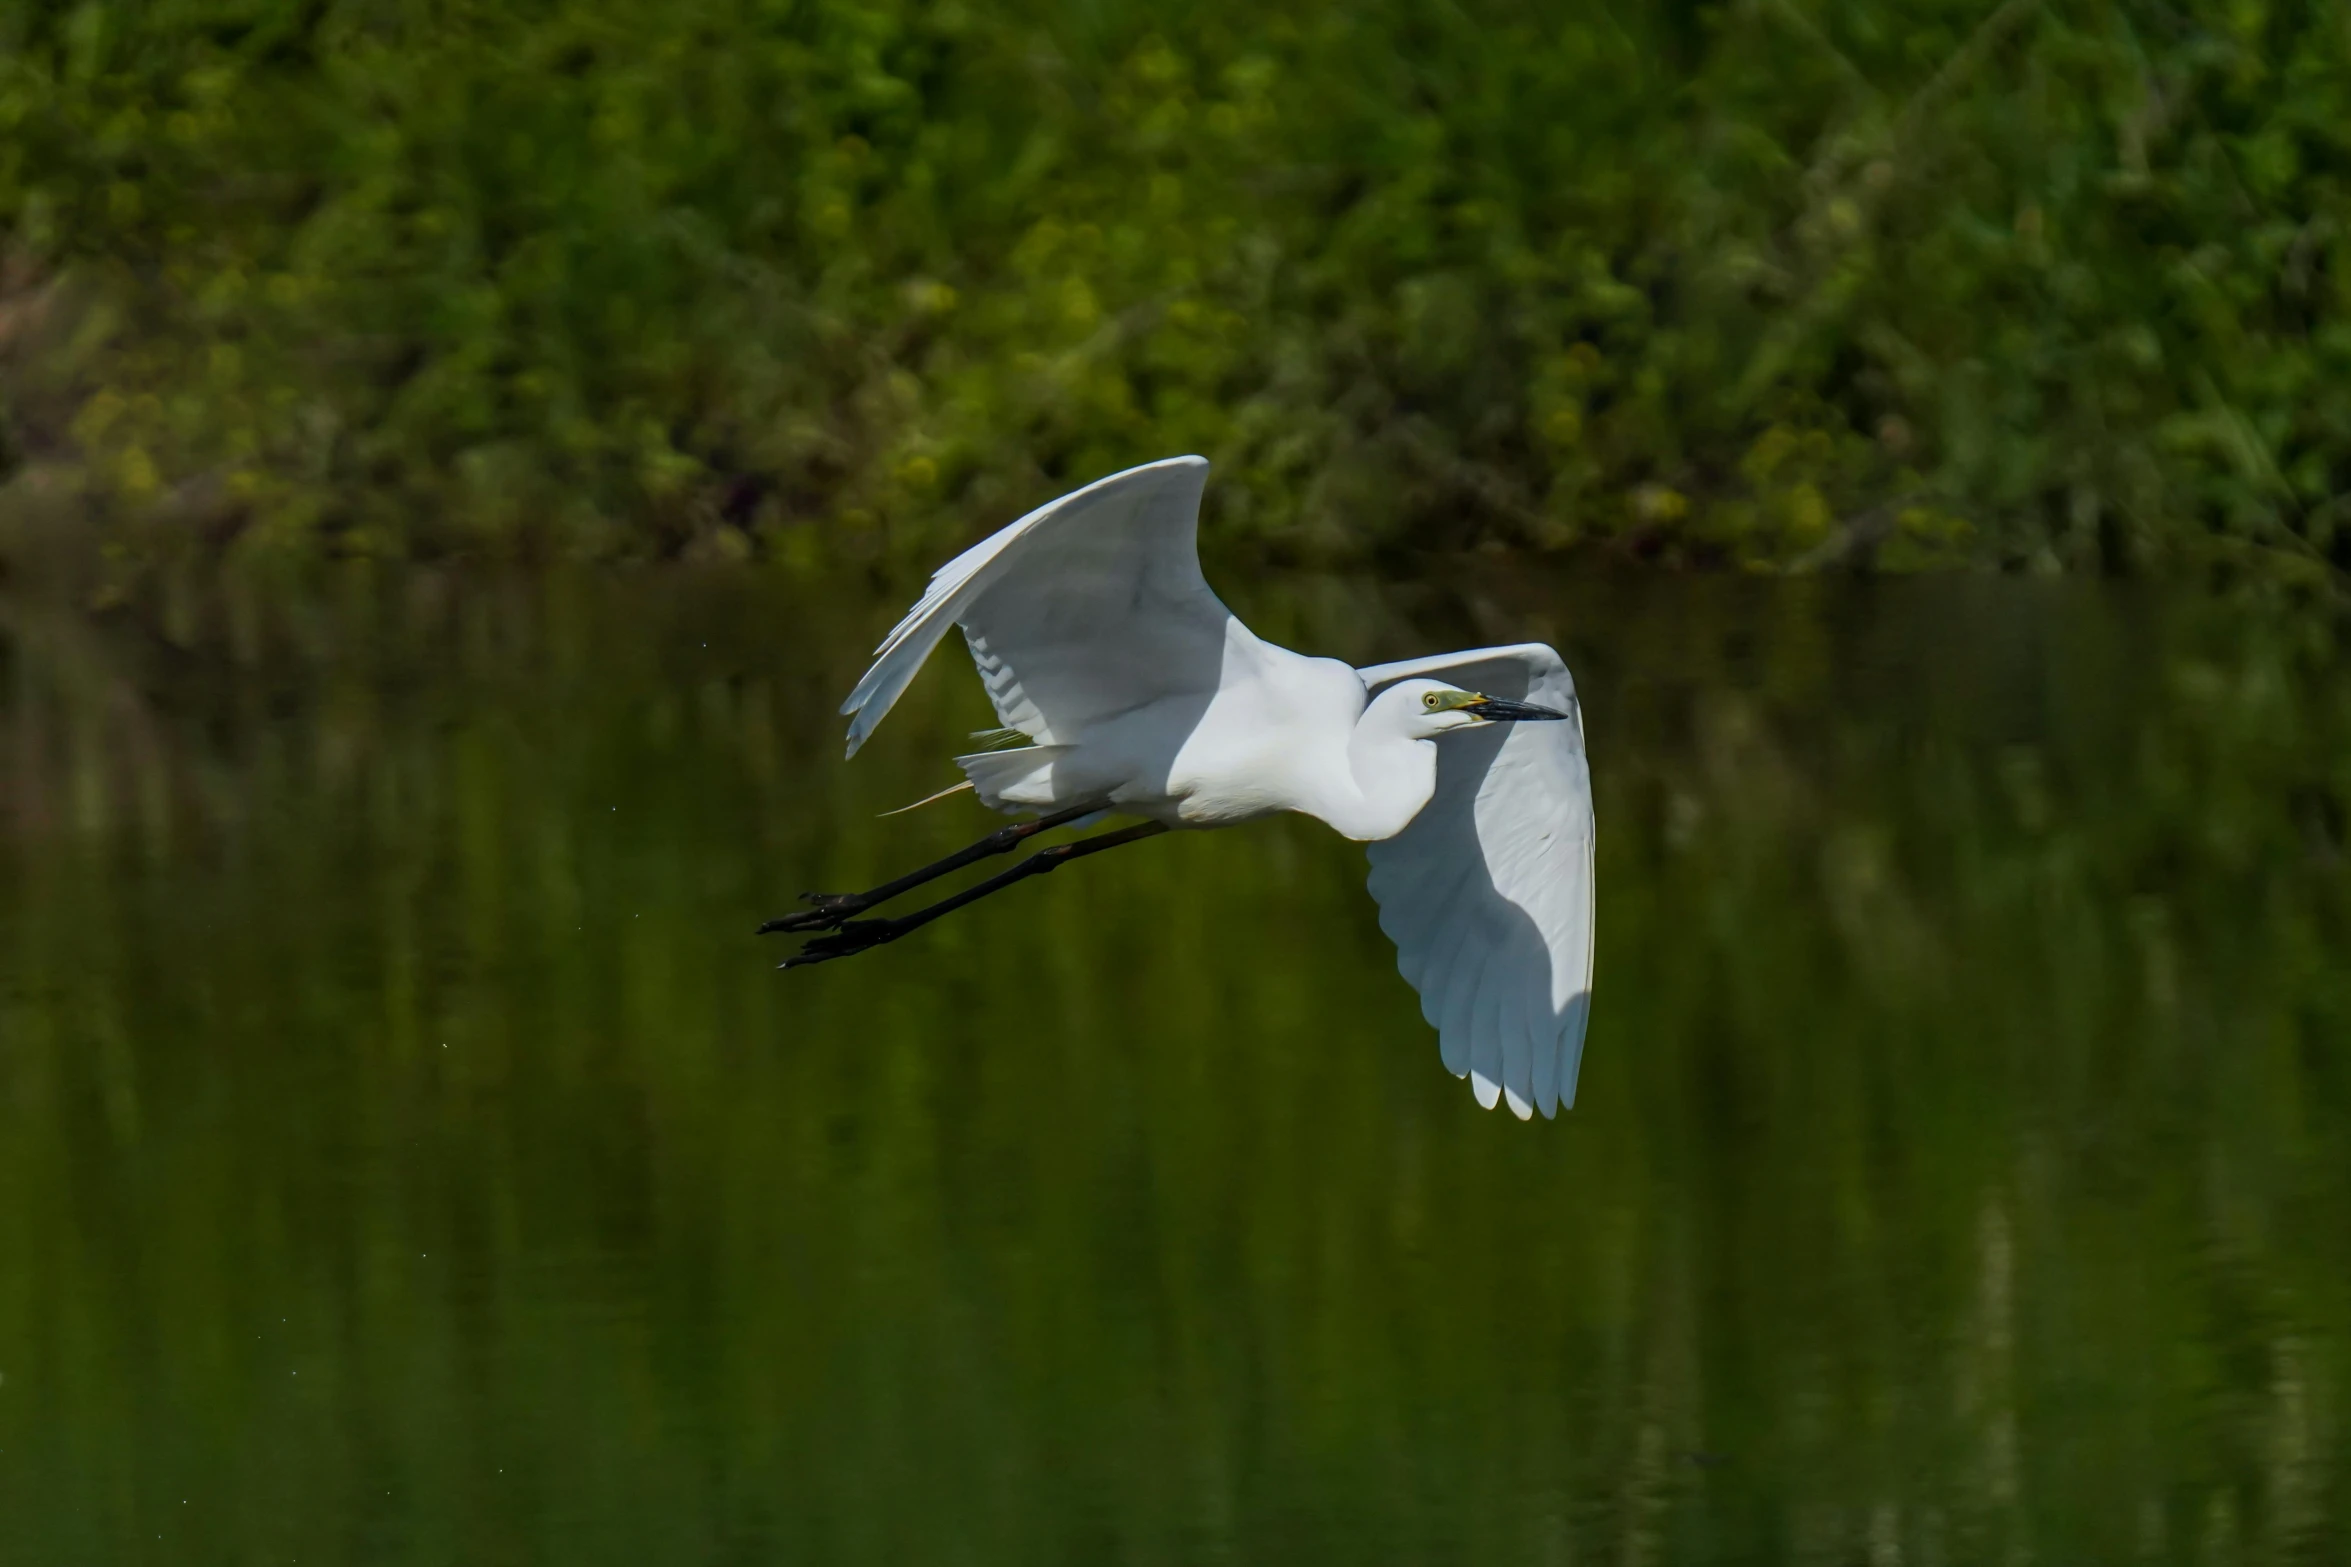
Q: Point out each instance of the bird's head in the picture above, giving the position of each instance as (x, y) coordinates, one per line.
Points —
(1430, 708)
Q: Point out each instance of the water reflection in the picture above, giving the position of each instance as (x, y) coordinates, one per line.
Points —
(406, 1154)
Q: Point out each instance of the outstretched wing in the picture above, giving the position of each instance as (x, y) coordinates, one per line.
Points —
(1089, 606)
(1488, 894)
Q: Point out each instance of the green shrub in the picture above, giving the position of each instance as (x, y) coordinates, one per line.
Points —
(1780, 283)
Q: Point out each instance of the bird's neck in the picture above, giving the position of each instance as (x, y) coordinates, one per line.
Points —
(1392, 775)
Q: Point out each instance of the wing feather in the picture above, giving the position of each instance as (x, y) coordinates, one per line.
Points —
(1488, 894)
(1455, 919)
(1090, 605)
(1448, 895)
(1485, 1038)
(1546, 1065)
(1459, 995)
(1518, 1062)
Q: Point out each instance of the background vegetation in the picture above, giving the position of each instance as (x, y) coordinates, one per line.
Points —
(2045, 283)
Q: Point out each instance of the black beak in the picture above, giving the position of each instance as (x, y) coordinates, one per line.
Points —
(1496, 710)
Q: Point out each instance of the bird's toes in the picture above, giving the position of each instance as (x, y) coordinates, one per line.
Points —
(800, 921)
(852, 938)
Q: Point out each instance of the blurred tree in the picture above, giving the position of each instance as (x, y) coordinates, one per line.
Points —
(2049, 284)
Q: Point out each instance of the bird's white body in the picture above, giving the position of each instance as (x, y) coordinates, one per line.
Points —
(1283, 732)
(1101, 643)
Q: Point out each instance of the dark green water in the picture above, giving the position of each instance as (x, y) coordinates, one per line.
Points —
(407, 1155)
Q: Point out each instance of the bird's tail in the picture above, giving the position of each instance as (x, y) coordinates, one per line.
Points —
(1025, 777)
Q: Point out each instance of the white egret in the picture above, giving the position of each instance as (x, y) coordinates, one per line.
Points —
(1140, 694)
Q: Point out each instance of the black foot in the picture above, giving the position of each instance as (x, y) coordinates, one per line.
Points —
(825, 910)
(852, 938)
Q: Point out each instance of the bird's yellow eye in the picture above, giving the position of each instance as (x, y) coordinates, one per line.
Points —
(1429, 701)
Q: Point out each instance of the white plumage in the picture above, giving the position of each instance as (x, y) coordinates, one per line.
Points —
(1099, 639)
(1488, 893)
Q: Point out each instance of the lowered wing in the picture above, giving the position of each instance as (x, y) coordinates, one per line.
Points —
(1488, 894)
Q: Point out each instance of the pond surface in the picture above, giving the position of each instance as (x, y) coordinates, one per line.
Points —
(407, 1154)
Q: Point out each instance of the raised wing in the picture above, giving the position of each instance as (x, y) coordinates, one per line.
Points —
(1488, 894)
(1089, 606)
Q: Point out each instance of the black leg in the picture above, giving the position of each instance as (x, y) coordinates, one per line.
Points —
(857, 935)
(828, 909)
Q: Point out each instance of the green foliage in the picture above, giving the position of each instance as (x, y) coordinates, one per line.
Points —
(1778, 282)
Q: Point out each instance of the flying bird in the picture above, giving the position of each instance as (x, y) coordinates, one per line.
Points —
(1139, 694)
